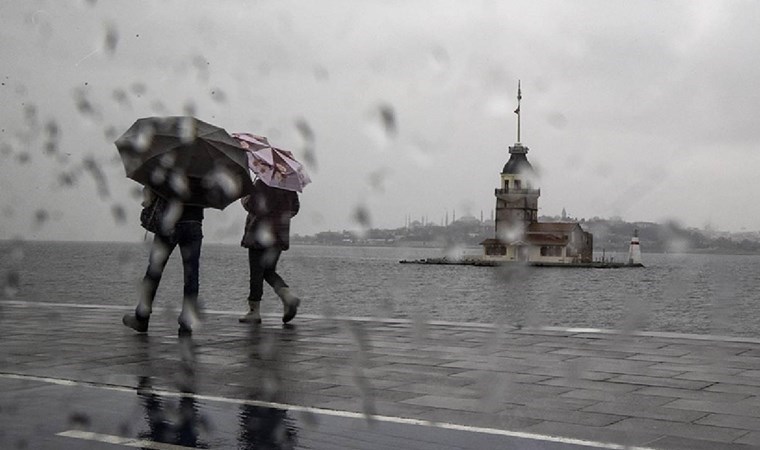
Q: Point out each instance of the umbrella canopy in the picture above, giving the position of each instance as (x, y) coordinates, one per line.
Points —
(186, 159)
(274, 166)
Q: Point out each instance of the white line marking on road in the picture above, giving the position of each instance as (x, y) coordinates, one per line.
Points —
(478, 325)
(118, 440)
(326, 412)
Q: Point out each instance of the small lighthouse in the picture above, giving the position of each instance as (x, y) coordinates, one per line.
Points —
(634, 250)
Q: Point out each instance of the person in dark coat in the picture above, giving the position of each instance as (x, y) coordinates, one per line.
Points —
(266, 236)
(181, 225)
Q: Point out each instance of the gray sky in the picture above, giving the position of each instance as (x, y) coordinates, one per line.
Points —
(642, 109)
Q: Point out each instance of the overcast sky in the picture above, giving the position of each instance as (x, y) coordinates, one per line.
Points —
(647, 110)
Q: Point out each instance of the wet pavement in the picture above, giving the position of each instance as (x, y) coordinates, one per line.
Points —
(73, 377)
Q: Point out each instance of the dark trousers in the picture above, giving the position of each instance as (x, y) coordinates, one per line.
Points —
(189, 236)
(263, 266)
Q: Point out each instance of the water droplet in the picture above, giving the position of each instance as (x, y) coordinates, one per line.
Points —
(189, 109)
(218, 95)
(119, 215)
(40, 217)
(111, 39)
(93, 168)
(362, 217)
(79, 419)
(23, 157)
(307, 136)
(139, 89)
(121, 97)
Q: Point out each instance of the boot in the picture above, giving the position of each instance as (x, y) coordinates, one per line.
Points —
(289, 302)
(188, 319)
(136, 321)
(253, 315)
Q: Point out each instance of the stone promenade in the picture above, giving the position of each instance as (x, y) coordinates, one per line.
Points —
(608, 390)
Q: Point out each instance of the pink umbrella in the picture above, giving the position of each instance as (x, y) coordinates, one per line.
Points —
(274, 166)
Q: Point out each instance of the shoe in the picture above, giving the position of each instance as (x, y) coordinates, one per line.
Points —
(253, 315)
(290, 304)
(136, 322)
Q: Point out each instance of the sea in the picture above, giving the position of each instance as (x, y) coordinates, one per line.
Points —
(683, 293)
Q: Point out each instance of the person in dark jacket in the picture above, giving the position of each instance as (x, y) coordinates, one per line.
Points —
(181, 225)
(266, 236)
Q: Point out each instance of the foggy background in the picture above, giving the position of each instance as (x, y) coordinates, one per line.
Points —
(644, 110)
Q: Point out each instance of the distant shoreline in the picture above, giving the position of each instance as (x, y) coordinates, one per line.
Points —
(11, 242)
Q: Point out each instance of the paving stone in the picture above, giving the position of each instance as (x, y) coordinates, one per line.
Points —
(657, 381)
(649, 412)
(733, 408)
(724, 420)
(670, 428)
(702, 394)
(750, 439)
(685, 443)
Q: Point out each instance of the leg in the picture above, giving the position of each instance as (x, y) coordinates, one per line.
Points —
(256, 290)
(160, 251)
(289, 301)
(190, 238)
(269, 264)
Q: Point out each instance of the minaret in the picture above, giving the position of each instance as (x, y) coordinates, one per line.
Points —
(516, 198)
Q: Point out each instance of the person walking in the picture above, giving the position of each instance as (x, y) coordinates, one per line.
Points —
(266, 236)
(180, 225)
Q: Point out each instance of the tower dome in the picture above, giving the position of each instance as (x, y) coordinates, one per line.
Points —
(518, 163)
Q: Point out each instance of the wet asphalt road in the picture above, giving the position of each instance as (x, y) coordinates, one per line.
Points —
(44, 415)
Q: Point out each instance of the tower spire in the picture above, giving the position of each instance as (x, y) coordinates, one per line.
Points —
(517, 111)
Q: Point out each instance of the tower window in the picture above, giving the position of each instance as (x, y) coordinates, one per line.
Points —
(517, 184)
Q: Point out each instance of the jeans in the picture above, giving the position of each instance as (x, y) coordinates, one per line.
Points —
(263, 266)
(189, 236)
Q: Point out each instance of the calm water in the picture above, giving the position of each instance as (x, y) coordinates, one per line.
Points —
(709, 294)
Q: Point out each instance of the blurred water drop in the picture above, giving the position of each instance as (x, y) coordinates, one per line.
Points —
(93, 168)
(189, 109)
(362, 217)
(557, 120)
(111, 39)
(11, 284)
(309, 148)
(381, 125)
(80, 420)
(111, 134)
(139, 89)
(388, 118)
(119, 215)
(30, 114)
(264, 236)
(179, 184)
(440, 58)
(202, 67)
(187, 130)
(144, 137)
(218, 95)
(158, 108)
(23, 157)
(83, 104)
(222, 179)
(6, 149)
(41, 216)
(377, 179)
(67, 179)
(121, 97)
